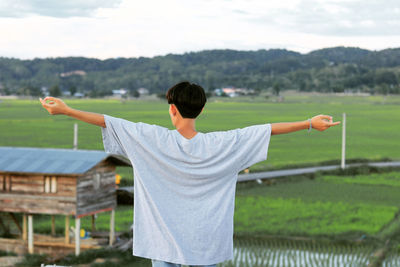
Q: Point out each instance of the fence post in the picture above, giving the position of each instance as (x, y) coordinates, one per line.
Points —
(343, 164)
(75, 136)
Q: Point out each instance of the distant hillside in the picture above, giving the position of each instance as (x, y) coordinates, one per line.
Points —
(331, 69)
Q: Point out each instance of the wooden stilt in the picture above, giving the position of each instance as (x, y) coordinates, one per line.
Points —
(24, 227)
(93, 222)
(112, 227)
(77, 236)
(30, 234)
(67, 229)
(53, 225)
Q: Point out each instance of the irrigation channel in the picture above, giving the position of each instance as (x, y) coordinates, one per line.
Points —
(294, 253)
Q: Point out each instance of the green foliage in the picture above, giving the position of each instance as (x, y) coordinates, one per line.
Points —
(325, 70)
(332, 206)
(55, 91)
(113, 257)
(389, 179)
(122, 224)
(266, 215)
(6, 253)
(26, 123)
(32, 260)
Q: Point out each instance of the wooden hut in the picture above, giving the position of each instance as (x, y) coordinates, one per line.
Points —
(57, 182)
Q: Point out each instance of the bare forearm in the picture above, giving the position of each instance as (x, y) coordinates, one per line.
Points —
(288, 127)
(319, 122)
(89, 117)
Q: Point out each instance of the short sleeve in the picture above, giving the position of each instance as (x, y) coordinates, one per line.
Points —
(118, 135)
(253, 144)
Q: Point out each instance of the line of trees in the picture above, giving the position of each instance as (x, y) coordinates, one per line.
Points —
(326, 70)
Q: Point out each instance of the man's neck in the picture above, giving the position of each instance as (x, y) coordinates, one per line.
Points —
(187, 128)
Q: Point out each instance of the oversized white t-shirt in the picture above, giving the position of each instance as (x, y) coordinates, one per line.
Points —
(184, 189)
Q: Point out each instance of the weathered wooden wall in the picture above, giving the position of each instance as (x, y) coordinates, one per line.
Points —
(27, 193)
(96, 190)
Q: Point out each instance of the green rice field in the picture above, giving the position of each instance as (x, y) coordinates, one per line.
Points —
(373, 126)
(362, 208)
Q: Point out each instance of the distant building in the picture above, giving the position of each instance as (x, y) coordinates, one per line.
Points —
(119, 92)
(79, 95)
(143, 91)
(232, 91)
(74, 72)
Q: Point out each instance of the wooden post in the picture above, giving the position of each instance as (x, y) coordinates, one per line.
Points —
(30, 234)
(112, 227)
(75, 136)
(67, 229)
(24, 227)
(77, 236)
(343, 163)
(93, 223)
(53, 225)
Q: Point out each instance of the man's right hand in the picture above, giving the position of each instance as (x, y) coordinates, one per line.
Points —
(54, 105)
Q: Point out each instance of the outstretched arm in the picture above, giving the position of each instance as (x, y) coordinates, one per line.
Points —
(56, 106)
(320, 123)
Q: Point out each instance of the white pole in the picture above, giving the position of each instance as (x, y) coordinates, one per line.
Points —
(77, 236)
(112, 227)
(30, 234)
(75, 136)
(343, 165)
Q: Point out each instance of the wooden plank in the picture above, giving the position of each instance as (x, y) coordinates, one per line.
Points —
(67, 229)
(93, 223)
(112, 227)
(27, 179)
(24, 227)
(2, 182)
(95, 212)
(66, 180)
(47, 184)
(29, 204)
(35, 174)
(53, 184)
(28, 188)
(8, 183)
(30, 234)
(36, 197)
(95, 207)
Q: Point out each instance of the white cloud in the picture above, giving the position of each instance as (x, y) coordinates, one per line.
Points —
(53, 8)
(133, 28)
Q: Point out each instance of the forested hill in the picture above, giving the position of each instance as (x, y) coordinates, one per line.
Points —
(332, 69)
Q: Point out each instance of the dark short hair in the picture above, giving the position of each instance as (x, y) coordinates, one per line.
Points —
(188, 97)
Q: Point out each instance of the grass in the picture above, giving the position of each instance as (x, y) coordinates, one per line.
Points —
(123, 221)
(327, 206)
(26, 123)
(344, 205)
(391, 179)
(111, 258)
(278, 216)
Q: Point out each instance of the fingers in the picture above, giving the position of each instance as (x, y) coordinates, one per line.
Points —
(50, 98)
(327, 117)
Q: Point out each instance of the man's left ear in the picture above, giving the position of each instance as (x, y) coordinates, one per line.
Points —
(173, 109)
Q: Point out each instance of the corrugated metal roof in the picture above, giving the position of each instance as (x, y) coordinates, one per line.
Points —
(53, 161)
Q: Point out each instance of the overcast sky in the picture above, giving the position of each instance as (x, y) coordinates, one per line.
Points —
(133, 28)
